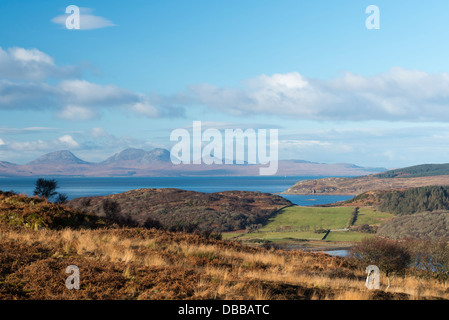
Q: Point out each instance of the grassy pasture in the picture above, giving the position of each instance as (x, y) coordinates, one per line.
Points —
(369, 216)
(300, 223)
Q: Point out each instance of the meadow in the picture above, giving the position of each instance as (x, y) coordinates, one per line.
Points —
(312, 223)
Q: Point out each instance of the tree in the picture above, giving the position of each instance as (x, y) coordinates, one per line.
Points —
(45, 188)
(62, 198)
(388, 255)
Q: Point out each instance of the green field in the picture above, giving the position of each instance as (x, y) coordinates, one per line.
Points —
(301, 223)
(371, 217)
(347, 236)
(300, 218)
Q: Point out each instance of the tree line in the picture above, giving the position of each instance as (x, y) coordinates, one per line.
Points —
(422, 199)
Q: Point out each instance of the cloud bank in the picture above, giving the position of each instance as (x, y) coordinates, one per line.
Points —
(32, 64)
(25, 85)
(397, 95)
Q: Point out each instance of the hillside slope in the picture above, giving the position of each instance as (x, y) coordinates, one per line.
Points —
(186, 210)
(423, 170)
(356, 186)
(138, 264)
(35, 213)
(409, 177)
(57, 158)
(403, 201)
(422, 213)
(424, 225)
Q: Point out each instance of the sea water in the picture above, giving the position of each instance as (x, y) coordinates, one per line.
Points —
(76, 187)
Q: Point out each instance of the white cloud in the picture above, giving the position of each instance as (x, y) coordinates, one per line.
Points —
(315, 150)
(303, 143)
(63, 142)
(86, 97)
(145, 108)
(68, 141)
(88, 21)
(33, 55)
(32, 64)
(26, 95)
(99, 133)
(2, 143)
(72, 99)
(76, 99)
(76, 113)
(87, 93)
(397, 95)
(29, 130)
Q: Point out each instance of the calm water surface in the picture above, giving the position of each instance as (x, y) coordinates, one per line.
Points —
(83, 187)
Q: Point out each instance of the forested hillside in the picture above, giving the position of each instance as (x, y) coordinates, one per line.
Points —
(415, 200)
(423, 170)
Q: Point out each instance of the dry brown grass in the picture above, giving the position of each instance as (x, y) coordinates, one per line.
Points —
(150, 264)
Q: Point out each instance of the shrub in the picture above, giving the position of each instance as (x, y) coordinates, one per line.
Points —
(389, 255)
(253, 227)
(353, 217)
(111, 209)
(62, 198)
(152, 223)
(180, 226)
(365, 228)
(430, 258)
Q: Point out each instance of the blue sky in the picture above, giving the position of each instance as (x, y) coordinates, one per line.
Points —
(336, 91)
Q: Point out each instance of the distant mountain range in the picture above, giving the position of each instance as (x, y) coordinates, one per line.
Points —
(141, 163)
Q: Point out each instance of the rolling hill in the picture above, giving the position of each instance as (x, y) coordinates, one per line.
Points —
(423, 225)
(176, 209)
(421, 213)
(410, 177)
(423, 170)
